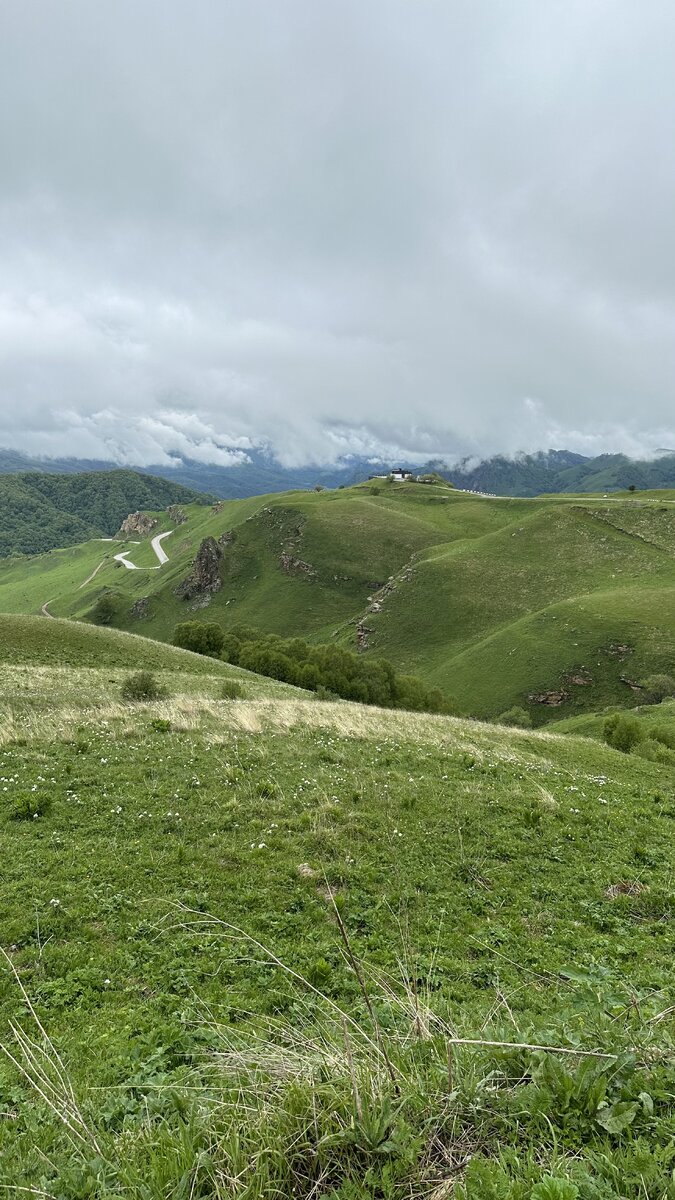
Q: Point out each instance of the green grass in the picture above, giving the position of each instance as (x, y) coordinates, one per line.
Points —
(492, 599)
(169, 916)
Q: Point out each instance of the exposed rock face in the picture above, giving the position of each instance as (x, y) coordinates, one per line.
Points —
(138, 522)
(204, 578)
(227, 538)
(176, 514)
(552, 699)
(140, 608)
(295, 566)
(218, 506)
(363, 633)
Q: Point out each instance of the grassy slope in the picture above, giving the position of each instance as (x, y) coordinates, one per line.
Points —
(494, 598)
(472, 859)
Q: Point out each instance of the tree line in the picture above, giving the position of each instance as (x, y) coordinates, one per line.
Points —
(330, 671)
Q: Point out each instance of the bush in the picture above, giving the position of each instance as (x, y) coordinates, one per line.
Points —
(516, 716)
(202, 637)
(654, 751)
(622, 732)
(142, 686)
(103, 611)
(658, 688)
(664, 734)
(231, 690)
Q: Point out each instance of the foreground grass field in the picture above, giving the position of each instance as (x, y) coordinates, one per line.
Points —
(245, 944)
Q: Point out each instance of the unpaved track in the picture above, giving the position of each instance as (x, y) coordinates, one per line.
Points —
(93, 574)
(45, 610)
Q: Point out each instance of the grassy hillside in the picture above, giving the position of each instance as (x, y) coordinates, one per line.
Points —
(495, 600)
(255, 933)
(39, 511)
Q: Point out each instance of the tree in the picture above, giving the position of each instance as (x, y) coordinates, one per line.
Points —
(622, 732)
(203, 637)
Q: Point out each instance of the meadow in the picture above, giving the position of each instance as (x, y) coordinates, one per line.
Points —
(279, 947)
(497, 601)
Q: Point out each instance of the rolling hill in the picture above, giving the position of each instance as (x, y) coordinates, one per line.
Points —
(556, 604)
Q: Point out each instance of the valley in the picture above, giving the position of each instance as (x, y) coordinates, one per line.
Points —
(497, 601)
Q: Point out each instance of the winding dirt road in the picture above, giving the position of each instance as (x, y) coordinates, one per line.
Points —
(156, 543)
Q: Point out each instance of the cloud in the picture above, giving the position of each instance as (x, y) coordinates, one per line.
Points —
(379, 228)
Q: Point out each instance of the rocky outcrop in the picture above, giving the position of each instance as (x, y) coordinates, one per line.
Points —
(363, 633)
(204, 577)
(140, 608)
(138, 522)
(218, 506)
(552, 699)
(176, 515)
(295, 566)
(227, 538)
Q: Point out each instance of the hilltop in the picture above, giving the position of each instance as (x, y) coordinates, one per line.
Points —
(556, 604)
(40, 511)
(256, 934)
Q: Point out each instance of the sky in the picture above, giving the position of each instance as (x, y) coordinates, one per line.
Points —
(327, 227)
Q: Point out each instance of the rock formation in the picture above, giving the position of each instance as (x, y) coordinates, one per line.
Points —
(140, 608)
(138, 522)
(295, 566)
(176, 514)
(204, 577)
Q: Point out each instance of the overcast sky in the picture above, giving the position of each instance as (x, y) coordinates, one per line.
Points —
(332, 226)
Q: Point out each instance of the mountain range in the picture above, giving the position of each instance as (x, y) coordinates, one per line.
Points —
(546, 472)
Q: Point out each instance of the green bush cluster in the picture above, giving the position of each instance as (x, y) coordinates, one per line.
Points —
(332, 668)
(627, 734)
(330, 671)
(516, 716)
(202, 637)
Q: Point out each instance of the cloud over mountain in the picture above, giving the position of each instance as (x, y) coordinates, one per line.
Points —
(338, 227)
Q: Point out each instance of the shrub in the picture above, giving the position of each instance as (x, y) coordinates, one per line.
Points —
(331, 671)
(142, 686)
(658, 688)
(517, 716)
(202, 637)
(231, 690)
(654, 751)
(664, 734)
(622, 732)
(103, 611)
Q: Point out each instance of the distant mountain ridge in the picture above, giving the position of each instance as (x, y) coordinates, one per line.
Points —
(545, 472)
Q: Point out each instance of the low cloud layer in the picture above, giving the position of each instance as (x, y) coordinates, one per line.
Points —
(431, 228)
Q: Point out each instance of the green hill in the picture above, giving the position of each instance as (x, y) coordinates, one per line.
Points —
(497, 601)
(245, 943)
(40, 511)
